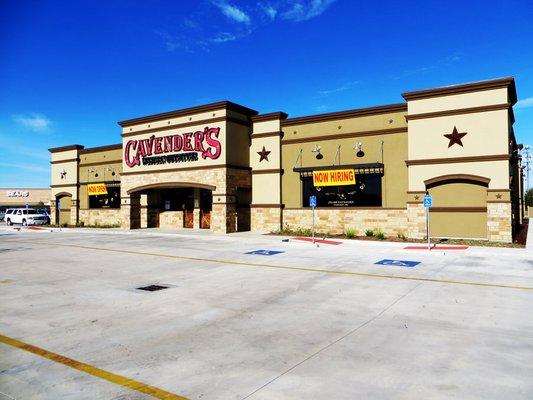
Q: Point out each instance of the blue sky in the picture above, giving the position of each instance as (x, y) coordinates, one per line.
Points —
(70, 70)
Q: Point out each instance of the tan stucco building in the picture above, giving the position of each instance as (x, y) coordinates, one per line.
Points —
(225, 167)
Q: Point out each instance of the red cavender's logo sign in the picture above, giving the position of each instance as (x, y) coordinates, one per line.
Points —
(155, 150)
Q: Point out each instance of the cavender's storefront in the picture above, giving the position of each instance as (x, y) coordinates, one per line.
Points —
(223, 167)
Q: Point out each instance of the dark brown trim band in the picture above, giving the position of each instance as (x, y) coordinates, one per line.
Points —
(498, 190)
(65, 161)
(499, 201)
(359, 112)
(267, 171)
(470, 110)
(65, 185)
(416, 192)
(346, 208)
(458, 209)
(267, 134)
(492, 157)
(336, 136)
(221, 105)
(187, 169)
(267, 205)
(507, 82)
(269, 117)
(455, 177)
(102, 148)
(66, 148)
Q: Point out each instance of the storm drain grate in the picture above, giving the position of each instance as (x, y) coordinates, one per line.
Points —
(152, 288)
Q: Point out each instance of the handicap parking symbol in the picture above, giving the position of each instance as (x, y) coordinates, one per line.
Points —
(265, 252)
(398, 263)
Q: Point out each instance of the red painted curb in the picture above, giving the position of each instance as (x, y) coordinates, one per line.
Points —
(320, 241)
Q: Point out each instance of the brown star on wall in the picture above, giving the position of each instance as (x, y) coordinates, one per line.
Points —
(455, 137)
(263, 154)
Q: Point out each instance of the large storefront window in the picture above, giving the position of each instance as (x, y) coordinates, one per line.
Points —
(365, 193)
(109, 200)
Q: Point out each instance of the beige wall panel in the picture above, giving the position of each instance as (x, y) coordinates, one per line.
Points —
(83, 197)
(271, 144)
(104, 171)
(466, 225)
(358, 124)
(459, 195)
(265, 189)
(394, 182)
(173, 121)
(457, 101)
(497, 171)
(222, 138)
(238, 145)
(101, 156)
(486, 134)
(267, 126)
(71, 177)
(64, 155)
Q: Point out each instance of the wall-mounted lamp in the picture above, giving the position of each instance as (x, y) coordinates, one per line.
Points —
(113, 173)
(317, 152)
(93, 171)
(358, 147)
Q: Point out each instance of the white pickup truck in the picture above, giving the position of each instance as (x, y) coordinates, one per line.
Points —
(25, 216)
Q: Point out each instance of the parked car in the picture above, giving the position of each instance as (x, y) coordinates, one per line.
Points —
(45, 212)
(2, 215)
(25, 216)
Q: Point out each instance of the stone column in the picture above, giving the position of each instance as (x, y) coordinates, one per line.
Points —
(266, 218)
(53, 212)
(144, 211)
(131, 212)
(416, 221)
(74, 211)
(499, 222)
(196, 211)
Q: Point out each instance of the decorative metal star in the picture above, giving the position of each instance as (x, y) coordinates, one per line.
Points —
(498, 196)
(455, 137)
(63, 174)
(417, 197)
(263, 154)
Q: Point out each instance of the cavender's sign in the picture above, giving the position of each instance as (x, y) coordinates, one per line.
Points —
(96, 188)
(178, 148)
(334, 177)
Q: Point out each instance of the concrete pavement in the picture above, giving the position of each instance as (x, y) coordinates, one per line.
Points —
(311, 322)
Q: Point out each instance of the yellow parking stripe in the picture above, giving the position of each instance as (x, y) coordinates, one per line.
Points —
(286, 267)
(89, 369)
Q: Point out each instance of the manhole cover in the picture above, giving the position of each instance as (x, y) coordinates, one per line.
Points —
(152, 288)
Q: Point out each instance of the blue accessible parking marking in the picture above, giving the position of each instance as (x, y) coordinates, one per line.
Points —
(265, 252)
(398, 263)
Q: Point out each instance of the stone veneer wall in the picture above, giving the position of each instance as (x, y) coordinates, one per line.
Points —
(416, 221)
(100, 216)
(499, 222)
(265, 219)
(171, 219)
(390, 221)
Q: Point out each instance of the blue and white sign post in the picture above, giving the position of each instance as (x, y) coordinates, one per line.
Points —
(312, 204)
(428, 203)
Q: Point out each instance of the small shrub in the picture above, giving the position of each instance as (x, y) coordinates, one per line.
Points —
(64, 224)
(350, 233)
(80, 224)
(402, 236)
(369, 232)
(380, 235)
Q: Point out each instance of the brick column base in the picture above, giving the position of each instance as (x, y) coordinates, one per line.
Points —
(74, 211)
(416, 221)
(499, 222)
(265, 219)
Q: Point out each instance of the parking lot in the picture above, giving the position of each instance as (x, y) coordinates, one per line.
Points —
(305, 323)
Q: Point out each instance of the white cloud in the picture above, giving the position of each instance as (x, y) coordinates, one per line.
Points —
(224, 37)
(34, 122)
(171, 42)
(346, 86)
(525, 103)
(270, 11)
(233, 12)
(304, 10)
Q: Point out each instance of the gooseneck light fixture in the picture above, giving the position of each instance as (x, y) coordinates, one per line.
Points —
(317, 151)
